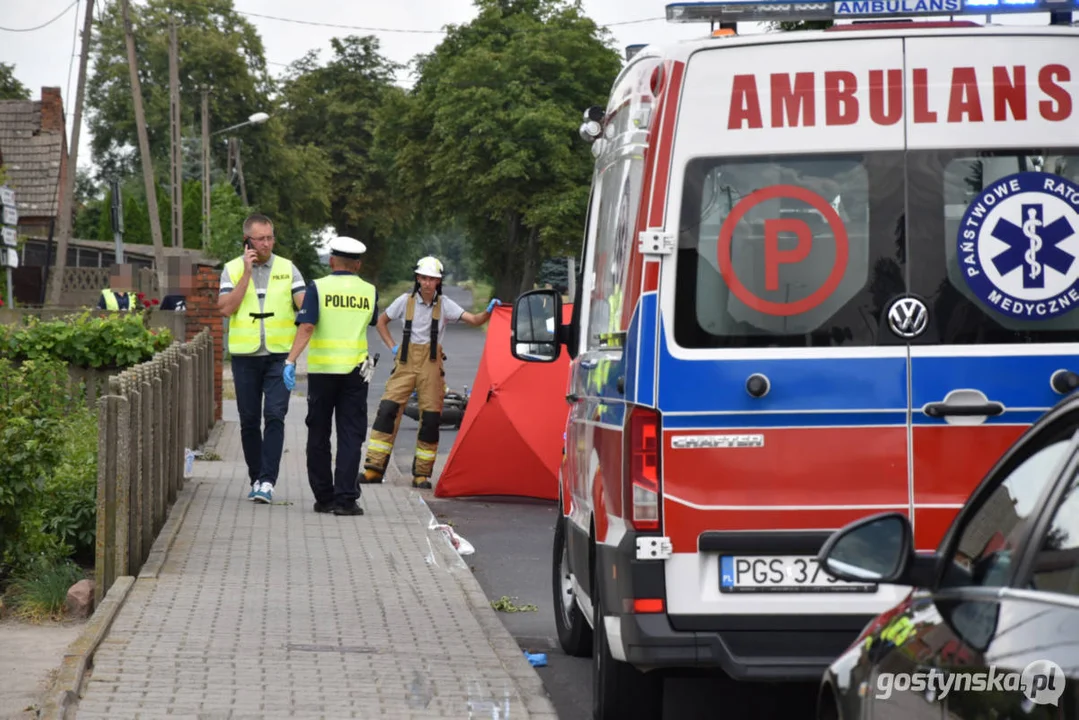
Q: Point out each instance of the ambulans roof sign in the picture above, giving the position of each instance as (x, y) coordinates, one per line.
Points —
(1019, 245)
(776, 10)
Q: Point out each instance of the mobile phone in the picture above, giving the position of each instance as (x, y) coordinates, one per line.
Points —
(247, 244)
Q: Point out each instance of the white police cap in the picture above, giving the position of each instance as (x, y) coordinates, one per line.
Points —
(347, 247)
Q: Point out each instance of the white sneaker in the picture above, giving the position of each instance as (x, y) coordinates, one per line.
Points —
(264, 494)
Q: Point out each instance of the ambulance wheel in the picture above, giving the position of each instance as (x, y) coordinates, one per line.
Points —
(574, 635)
(619, 690)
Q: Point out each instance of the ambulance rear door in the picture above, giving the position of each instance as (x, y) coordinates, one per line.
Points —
(784, 399)
(993, 235)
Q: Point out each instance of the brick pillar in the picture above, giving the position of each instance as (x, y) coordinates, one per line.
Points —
(202, 312)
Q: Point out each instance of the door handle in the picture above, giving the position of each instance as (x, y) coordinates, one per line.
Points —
(573, 398)
(939, 409)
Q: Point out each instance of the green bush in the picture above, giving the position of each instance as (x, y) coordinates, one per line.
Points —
(117, 340)
(34, 399)
(66, 513)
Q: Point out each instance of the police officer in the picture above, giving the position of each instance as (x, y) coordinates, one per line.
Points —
(336, 313)
(417, 366)
(118, 296)
(260, 292)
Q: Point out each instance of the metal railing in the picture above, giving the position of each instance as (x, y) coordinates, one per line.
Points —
(152, 414)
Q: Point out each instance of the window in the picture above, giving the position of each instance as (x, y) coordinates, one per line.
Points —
(620, 188)
(788, 221)
(943, 185)
(1056, 566)
(987, 542)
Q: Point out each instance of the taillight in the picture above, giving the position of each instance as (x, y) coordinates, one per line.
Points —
(643, 465)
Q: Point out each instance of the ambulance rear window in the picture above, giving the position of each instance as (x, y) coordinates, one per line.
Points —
(780, 251)
(817, 250)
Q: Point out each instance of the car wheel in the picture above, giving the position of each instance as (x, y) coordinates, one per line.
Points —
(619, 690)
(574, 635)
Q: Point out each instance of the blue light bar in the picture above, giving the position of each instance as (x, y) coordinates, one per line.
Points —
(783, 10)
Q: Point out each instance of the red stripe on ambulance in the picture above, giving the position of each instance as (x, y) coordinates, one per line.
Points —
(1013, 93)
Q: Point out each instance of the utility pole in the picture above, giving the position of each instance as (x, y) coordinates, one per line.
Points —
(177, 140)
(144, 149)
(205, 167)
(66, 199)
(116, 211)
(240, 172)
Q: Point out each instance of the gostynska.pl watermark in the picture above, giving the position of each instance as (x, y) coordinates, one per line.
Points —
(1042, 682)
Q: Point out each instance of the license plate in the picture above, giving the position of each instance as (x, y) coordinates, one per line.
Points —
(787, 573)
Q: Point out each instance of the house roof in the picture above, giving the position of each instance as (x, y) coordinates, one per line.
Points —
(31, 157)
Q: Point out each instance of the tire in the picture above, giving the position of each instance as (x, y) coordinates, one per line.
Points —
(619, 690)
(574, 635)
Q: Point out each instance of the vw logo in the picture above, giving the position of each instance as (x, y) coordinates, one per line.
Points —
(908, 317)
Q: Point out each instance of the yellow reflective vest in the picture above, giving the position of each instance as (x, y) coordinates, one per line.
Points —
(345, 307)
(112, 302)
(278, 314)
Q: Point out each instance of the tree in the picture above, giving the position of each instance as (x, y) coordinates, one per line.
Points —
(221, 51)
(800, 25)
(335, 107)
(10, 87)
(489, 134)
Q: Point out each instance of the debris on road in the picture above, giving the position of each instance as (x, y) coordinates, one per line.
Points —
(506, 604)
(536, 659)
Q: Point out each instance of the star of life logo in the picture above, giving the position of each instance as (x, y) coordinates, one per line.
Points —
(1041, 682)
(1019, 245)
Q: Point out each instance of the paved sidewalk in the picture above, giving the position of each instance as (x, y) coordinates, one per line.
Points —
(276, 611)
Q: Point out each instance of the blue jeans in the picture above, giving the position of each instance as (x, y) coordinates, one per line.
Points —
(258, 379)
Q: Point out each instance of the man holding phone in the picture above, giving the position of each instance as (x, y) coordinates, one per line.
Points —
(260, 293)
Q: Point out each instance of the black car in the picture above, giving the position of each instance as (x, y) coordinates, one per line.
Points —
(990, 628)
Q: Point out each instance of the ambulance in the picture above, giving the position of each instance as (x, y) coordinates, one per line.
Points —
(825, 274)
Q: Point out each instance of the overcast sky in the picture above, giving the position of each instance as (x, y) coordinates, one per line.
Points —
(45, 57)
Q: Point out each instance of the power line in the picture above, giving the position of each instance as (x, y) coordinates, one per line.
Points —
(341, 27)
(45, 25)
(405, 30)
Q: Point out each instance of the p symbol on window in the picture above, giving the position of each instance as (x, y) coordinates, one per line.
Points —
(776, 254)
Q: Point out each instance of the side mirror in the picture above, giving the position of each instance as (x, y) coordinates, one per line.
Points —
(536, 326)
(875, 549)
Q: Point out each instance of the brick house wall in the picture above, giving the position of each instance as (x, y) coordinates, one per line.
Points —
(202, 312)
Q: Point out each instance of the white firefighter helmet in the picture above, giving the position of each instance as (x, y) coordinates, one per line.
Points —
(429, 266)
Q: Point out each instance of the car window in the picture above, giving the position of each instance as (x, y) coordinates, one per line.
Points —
(987, 542)
(1056, 566)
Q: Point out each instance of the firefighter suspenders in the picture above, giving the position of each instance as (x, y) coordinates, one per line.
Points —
(407, 332)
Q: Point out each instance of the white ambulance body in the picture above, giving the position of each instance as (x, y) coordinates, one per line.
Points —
(825, 274)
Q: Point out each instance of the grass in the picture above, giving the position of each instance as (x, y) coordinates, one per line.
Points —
(41, 593)
(481, 294)
(388, 293)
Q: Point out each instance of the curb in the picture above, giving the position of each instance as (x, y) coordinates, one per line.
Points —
(160, 549)
(527, 681)
(63, 695)
(61, 700)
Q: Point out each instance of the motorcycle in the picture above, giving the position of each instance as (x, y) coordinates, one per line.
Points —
(454, 405)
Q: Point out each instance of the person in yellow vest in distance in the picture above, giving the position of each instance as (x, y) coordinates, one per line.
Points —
(417, 366)
(336, 312)
(260, 293)
(118, 296)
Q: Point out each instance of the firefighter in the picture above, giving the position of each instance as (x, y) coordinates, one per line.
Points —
(336, 312)
(417, 366)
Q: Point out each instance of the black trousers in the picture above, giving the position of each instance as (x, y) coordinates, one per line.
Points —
(343, 396)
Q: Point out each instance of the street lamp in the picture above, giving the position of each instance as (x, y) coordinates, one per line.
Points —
(255, 119)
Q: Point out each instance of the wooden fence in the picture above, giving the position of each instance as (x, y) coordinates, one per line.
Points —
(151, 414)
